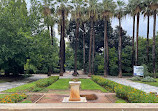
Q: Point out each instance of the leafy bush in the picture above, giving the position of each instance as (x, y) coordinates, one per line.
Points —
(146, 72)
(34, 86)
(148, 79)
(152, 75)
(36, 89)
(46, 82)
(128, 93)
(136, 78)
(13, 98)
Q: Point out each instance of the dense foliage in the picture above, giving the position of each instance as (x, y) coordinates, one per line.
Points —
(24, 41)
(128, 93)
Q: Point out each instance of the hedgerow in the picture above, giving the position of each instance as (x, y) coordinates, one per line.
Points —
(128, 93)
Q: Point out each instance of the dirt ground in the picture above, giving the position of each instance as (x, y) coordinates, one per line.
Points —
(57, 96)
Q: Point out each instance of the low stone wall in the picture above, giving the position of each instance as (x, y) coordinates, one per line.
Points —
(79, 107)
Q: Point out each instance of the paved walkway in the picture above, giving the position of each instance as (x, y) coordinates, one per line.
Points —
(68, 74)
(144, 87)
(9, 85)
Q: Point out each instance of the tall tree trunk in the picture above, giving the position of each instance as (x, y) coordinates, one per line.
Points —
(64, 41)
(147, 48)
(153, 51)
(93, 54)
(48, 27)
(62, 45)
(60, 53)
(133, 50)
(137, 39)
(120, 50)
(90, 48)
(84, 51)
(105, 47)
(76, 43)
(64, 54)
(52, 35)
(49, 71)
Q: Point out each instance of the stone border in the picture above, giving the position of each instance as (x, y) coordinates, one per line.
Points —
(79, 107)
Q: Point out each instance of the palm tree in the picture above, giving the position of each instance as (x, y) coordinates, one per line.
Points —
(49, 21)
(47, 12)
(147, 12)
(119, 15)
(62, 12)
(153, 6)
(76, 15)
(107, 12)
(138, 6)
(84, 19)
(92, 12)
(130, 9)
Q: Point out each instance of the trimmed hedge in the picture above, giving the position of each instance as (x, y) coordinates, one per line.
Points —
(47, 81)
(34, 86)
(128, 93)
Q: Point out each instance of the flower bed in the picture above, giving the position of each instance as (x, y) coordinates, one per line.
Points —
(128, 93)
(13, 98)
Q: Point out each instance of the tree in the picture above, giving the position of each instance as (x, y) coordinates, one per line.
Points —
(107, 12)
(92, 12)
(49, 21)
(84, 19)
(62, 12)
(120, 14)
(137, 10)
(153, 7)
(13, 37)
(76, 15)
(147, 12)
(130, 9)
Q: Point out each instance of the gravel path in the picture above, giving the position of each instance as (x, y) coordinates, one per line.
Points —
(9, 85)
(144, 87)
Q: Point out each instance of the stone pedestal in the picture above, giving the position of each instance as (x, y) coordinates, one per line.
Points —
(74, 91)
(74, 94)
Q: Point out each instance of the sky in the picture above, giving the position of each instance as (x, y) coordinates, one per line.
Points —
(127, 24)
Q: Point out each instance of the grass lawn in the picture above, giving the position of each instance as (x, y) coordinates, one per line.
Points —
(119, 100)
(86, 84)
(151, 83)
(61, 84)
(34, 86)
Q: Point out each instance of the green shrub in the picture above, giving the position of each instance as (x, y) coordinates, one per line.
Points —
(152, 75)
(148, 79)
(146, 72)
(34, 86)
(128, 93)
(136, 78)
(36, 89)
(47, 81)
